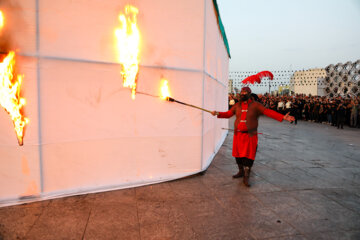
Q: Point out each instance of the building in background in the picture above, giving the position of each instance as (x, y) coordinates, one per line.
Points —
(281, 78)
(333, 80)
(343, 79)
(284, 90)
(231, 86)
(309, 81)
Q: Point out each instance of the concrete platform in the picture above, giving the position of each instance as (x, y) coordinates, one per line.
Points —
(305, 184)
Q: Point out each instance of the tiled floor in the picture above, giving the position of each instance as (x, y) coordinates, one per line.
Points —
(305, 184)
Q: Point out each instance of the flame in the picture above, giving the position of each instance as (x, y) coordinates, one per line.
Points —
(128, 44)
(165, 91)
(1, 19)
(10, 98)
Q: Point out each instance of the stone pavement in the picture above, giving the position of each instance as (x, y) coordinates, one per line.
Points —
(305, 184)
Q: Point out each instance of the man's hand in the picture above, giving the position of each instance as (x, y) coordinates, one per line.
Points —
(289, 118)
(214, 113)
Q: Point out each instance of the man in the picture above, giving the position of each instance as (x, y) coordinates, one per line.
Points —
(295, 110)
(340, 115)
(307, 110)
(288, 105)
(245, 140)
(231, 100)
(280, 106)
(333, 113)
(316, 111)
(354, 113)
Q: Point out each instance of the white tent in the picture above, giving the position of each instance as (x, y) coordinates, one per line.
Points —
(85, 133)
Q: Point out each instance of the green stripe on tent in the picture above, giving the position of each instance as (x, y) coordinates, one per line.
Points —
(222, 29)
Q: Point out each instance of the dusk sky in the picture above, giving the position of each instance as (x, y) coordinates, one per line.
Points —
(290, 34)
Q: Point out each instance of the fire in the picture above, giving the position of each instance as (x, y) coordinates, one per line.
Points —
(1, 19)
(165, 91)
(10, 98)
(128, 44)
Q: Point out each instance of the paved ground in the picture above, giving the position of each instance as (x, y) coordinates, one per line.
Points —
(305, 185)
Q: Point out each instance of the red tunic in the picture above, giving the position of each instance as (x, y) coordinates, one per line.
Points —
(246, 123)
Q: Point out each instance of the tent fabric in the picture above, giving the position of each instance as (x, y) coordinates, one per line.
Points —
(86, 134)
(222, 28)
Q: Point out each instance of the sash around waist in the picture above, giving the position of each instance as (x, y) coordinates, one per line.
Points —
(248, 131)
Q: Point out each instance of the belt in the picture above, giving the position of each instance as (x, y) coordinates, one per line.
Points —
(248, 131)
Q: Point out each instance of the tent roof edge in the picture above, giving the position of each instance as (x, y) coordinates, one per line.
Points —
(222, 29)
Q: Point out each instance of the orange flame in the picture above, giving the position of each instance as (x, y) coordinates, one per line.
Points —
(128, 44)
(10, 98)
(1, 19)
(165, 91)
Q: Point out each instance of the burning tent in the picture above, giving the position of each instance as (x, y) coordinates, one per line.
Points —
(88, 131)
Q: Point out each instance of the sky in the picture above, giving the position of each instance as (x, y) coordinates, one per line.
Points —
(290, 34)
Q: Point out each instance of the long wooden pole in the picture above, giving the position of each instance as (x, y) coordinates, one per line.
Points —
(170, 99)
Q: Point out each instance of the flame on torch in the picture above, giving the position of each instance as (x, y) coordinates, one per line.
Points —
(128, 44)
(10, 98)
(165, 92)
(165, 95)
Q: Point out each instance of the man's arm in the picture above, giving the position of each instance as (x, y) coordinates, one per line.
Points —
(227, 114)
(278, 116)
(273, 114)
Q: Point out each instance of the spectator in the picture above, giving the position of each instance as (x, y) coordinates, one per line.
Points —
(354, 113)
(328, 113)
(288, 106)
(231, 100)
(280, 106)
(340, 115)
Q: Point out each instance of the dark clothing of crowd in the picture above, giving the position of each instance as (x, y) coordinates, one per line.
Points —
(337, 111)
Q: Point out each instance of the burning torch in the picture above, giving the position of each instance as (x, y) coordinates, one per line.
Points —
(170, 99)
(128, 44)
(165, 94)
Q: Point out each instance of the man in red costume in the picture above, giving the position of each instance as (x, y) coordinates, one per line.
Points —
(245, 130)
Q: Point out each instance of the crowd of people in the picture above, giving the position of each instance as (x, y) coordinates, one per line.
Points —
(336, 111)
